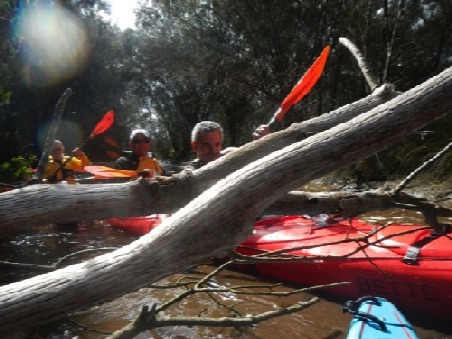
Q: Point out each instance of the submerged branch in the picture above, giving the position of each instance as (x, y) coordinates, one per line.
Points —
(147, 320)
(56, 265)
(149, 317)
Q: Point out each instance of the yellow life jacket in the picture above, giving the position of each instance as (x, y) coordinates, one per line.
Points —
(65, 170)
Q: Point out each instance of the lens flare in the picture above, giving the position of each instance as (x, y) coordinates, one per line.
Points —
(69, 132)
(53, 44)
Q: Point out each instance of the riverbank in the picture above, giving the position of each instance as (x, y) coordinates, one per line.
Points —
(438, 192)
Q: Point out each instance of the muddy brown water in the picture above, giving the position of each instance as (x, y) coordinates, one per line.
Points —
(325, 319)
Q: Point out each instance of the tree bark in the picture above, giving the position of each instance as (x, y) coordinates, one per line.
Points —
(59, 203)
(210, 224)
(51, 135)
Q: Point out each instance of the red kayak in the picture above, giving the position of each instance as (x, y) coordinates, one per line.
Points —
(135, 225)
(405, 264)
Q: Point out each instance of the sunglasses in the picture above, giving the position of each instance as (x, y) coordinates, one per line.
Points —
(57, 149)
(141, 141)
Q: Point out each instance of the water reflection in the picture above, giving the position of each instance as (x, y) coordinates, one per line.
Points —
(44, 245)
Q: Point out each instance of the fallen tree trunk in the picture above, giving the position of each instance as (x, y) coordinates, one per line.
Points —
(205, 227)
(60, 203)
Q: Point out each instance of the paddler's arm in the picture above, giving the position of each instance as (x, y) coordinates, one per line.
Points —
(261, 131)
(80, 160)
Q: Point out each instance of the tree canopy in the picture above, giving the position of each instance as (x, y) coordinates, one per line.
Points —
(228, 61)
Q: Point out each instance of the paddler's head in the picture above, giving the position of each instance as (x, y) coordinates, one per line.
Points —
(140, 142)
(207, 140)
(57, 150)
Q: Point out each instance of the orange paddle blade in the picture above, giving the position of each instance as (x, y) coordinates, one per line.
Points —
(305, 84)
(108, 172)
(104, 124)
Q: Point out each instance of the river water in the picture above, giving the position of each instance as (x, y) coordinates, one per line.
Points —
(325, 319)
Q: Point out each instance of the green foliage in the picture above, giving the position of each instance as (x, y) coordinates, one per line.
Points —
(98, 87)
(229, 61)
(234, 61)
(17, 169)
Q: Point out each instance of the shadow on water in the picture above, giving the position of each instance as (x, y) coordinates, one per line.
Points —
(44, 245)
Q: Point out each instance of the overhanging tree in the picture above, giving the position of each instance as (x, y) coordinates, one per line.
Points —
(207, 220)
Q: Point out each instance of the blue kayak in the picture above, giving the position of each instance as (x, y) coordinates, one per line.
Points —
(377, 318)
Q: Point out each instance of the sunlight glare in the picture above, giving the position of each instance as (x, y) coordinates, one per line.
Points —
(53, 44)
(122, 13)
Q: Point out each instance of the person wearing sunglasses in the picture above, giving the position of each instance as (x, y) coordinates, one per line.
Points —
(139, 159)
(61, 167)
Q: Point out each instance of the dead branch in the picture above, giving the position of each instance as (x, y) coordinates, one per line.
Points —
(418, 170)
(362, 64)
(51, 134)
(149, 317)
(247, 191)
(56, 265)
(30, 267)
(349, 205)
(147, 320)
(165, 195)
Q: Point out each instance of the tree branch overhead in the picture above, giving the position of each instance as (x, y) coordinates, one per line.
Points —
(206, 221)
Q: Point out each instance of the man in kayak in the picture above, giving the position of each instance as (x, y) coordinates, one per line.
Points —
(61, 167)
(139, 158)
(207, 141)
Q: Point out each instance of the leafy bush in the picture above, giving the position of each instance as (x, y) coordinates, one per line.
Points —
(17, 169)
